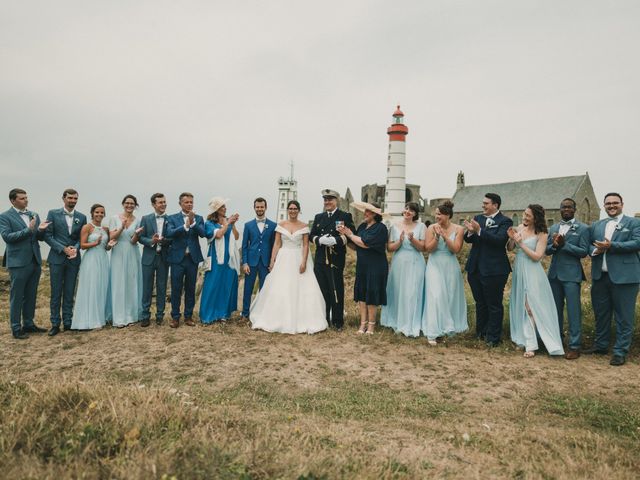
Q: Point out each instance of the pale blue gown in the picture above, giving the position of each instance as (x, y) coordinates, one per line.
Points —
(126, 276)
(445, 306)
(405, 286)
(92, 304)
(530, 286)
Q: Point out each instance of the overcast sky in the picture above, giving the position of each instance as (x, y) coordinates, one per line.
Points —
(217, 97)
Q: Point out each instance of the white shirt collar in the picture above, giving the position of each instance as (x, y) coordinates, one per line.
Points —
(332, 211)
(69, 212)
(20, 212)
(493, 215)
(616, 219)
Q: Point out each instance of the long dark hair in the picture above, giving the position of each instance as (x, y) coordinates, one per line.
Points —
(539, 222)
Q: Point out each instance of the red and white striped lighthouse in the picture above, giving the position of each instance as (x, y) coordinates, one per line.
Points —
(394, 196)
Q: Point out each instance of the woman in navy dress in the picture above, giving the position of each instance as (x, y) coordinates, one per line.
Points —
(369, 241)
(220, 289)
(531, 305)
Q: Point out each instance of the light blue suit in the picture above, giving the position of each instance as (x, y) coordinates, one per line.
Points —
(614, 292)
(565, 276)
(256, 252)
(63, 271)
(22, 258)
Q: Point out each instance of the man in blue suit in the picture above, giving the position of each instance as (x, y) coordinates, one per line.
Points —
(615, 274)
(184, 229)
(155, 267)
(568, 242)
(21, 230)
(63, 236)
(488, 267)
(257, 242)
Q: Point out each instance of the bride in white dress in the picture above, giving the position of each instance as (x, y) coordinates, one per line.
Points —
(290, 300)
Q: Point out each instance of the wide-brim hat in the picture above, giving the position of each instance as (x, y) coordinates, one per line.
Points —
(216, 202)
(327, 192)
(362, 206)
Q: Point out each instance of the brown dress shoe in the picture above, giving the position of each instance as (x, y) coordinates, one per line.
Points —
(190, 322)
(174, 323)
(572, 354)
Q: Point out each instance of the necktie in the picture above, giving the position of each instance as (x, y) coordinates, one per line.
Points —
(330, 214)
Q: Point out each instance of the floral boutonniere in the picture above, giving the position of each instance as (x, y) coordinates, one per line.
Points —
(573, 227)
(266, 225)
(76, 221)
(618, 227)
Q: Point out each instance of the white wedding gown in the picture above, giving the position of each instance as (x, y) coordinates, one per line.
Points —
(290, 302)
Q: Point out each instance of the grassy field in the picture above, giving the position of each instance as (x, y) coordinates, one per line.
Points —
(225, 401)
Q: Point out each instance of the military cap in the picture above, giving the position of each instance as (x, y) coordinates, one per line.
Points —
(327, 192)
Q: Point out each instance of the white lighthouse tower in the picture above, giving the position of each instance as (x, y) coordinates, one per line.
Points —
(394, 196)
(287, 190)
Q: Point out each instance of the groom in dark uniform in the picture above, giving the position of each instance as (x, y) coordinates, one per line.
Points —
(330, 255)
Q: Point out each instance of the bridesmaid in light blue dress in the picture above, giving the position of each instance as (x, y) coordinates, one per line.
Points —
(405, 286)
(531, 306)
(126, 270)
(92, 304)
(445, 309)
(219, 297)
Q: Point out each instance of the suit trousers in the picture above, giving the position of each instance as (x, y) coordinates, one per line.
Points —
(488, 292)
(22, 299)
(260, 271)
(335, 308)
(183, 277)
(568, 292)
(63, 288)
(618, 300)
(156, 273)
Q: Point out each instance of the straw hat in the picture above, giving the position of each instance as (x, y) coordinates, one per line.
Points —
(216, 202)
(362, 206)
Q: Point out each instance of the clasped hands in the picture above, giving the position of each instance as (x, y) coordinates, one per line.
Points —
(601, 246)
(558, 240)
(514, 235)
(472, 226)
(327, 240)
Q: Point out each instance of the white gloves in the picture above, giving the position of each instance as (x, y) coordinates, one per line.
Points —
(327, 240)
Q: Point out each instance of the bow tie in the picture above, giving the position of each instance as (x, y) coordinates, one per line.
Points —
(161, 216)
(568, 222)
(24, 212)
(260, 221)
(67, 214)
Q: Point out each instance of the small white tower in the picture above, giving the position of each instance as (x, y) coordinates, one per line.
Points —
(395, 190)
(287, 190)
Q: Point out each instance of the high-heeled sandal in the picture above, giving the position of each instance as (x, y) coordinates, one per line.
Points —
(371, 327)
(363, 328)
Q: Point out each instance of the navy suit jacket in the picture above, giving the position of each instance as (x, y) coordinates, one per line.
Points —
(22, 243)
(323, 225)
(256, 246)
(623, 257)
(148, 222)
(181, 238)
(488, 254)
(565, 264)
(58, 237)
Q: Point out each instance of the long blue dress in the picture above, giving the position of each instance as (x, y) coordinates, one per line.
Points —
(126, 276)
(220, 289)
(91, 305)
(372, 267)
(445, 306)
(405, 286)
(530, 286)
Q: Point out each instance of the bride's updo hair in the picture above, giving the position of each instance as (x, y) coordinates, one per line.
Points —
(293, 202)
(446, 208)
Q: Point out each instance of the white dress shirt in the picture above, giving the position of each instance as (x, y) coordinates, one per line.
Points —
(608, 233)
(564, 227)
(68, 216)
(261, 222)
(24, 215)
